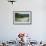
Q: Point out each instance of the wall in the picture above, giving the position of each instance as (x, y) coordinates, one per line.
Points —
(9, 31)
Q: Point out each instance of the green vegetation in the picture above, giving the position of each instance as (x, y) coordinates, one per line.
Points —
(17, 15)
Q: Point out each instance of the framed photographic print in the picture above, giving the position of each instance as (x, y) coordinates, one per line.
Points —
(22, 17)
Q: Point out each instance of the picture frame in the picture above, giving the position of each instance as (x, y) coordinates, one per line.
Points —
(22, 17)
